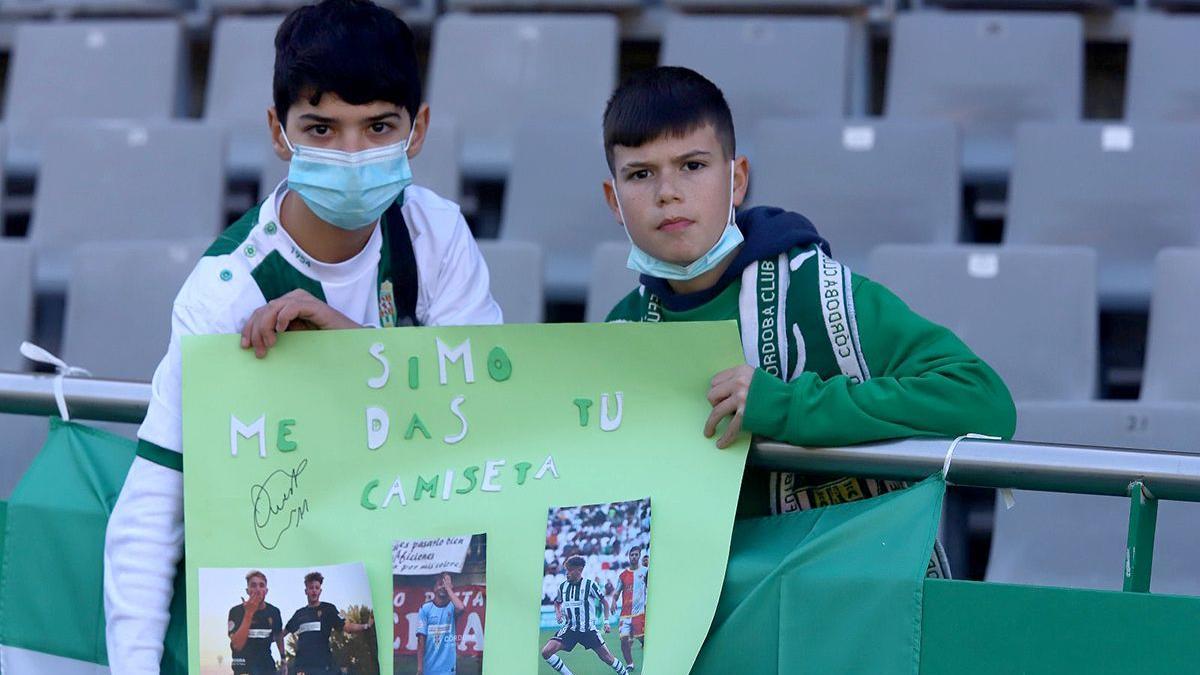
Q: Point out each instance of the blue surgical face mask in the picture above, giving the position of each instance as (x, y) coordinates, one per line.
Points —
(349, 190)
(644, 263)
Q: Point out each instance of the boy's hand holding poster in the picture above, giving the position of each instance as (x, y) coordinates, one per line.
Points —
(461, 500)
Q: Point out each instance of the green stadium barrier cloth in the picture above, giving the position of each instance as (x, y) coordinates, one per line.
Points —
(831, 590)
(51, 572)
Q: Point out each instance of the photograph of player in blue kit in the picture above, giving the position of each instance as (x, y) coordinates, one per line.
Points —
(439, 602)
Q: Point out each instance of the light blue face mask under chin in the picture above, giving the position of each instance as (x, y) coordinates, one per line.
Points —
(643, 263)
(349, 190)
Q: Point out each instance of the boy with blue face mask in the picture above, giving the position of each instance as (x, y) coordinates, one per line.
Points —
(832, 358)
(347, 241)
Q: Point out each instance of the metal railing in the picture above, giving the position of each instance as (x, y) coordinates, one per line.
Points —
(980, 463)
(1143, 475)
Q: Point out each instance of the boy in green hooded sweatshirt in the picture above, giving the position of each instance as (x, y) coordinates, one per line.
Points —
(832, 358)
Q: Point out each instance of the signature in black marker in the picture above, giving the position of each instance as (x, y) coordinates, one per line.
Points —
(276, 506)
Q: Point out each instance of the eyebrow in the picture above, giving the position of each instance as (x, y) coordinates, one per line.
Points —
(329, 120)
(674, 160)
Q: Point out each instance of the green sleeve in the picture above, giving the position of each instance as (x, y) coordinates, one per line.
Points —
(924, 382)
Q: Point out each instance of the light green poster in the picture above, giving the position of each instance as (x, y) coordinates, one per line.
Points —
(495, 484)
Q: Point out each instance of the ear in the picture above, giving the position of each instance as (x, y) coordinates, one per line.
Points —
(421, 126)
(610, 196)
(741, 180)
(276, 128)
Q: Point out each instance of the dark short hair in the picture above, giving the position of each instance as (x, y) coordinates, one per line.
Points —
(314, 576)
(665, 101)
(576, 561)
(352, 48)
(635, 548)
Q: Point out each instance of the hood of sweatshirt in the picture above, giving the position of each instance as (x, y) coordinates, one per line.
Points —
(768, 231)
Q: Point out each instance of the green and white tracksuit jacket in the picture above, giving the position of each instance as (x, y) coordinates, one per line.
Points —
(840, 360)
(252, 263)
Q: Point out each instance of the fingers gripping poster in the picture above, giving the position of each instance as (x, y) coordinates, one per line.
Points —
(482, 493)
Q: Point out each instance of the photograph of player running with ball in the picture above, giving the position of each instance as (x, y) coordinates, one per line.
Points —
(589, 549)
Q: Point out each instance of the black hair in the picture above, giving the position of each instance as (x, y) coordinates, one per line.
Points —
(314, 576)
(665, 101)
(576, 561)
(352, 48)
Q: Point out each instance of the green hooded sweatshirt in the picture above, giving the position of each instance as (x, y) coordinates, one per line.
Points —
(840, 359)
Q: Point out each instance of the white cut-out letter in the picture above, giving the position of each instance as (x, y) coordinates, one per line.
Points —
(610, 423)
(377, 427)
(547, 465)
(456, 408)
(378, 382)
(397, 490)
(447, 484)
(236, 428)
(463, 351)
(491, 469)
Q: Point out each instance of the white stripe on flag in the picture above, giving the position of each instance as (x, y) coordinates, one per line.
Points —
(16, 661)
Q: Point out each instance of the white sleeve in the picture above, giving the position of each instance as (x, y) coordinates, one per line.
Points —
(143, 544)
(461, 295)
(144, 539)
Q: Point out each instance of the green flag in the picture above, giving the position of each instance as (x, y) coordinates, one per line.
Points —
(51, 586)
(830, 590)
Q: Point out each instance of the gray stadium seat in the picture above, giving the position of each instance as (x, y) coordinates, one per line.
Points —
(88, 69)
(1079, 540)
(1037, 5)
(119, 300)
(801, 66)
(833, 6)
(114, 180)
(611, 279)
(554, 198)
(1126, 191)
(491, 73)
(516, 276)
(1172, 364)
(18, 9)
(1161, 80)
(862, 183)
(16, 302)
(988, 72)
(1030, 311)
(120, 330)
(544, 5)
(238, 91)
(414, 12)
(435, 168)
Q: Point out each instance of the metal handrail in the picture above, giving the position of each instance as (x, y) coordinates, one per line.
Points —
(981, 463)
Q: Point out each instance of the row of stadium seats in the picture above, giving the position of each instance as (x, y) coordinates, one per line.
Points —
(422, 11)
(987, 72)
(1126, 191)
(1030, 311)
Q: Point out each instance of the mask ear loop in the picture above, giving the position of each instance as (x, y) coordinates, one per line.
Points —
(732, 215)
(36, 353)
(408, 142)
(617, 199)
(286, 141)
